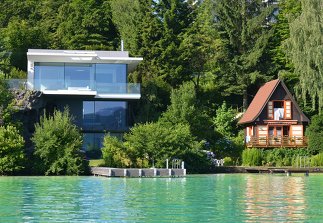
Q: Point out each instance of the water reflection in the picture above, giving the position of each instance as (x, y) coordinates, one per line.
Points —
(275, 198)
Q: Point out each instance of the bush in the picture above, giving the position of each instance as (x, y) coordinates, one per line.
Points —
(12, 157)
(114, 153)
(252, 157)
(314, 133)
(228, 161)
(57, 145)
(317, 160)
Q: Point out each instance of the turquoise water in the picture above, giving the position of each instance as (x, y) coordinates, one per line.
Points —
(200, 198)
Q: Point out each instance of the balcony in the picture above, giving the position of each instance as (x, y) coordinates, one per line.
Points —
(277, 141)
(80, 87)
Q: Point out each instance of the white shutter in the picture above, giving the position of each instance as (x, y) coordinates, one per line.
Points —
(270, 106)
(288, 109)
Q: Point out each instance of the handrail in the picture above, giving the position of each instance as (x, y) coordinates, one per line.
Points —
(277, 141)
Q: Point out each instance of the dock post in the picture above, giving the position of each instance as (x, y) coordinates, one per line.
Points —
(109, 173)
(140, 172)
(182, 164)
(155, 172)
(169, 172)
(125, 172)
(166, 163)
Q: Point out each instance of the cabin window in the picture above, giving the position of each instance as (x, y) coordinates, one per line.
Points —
(279, 110)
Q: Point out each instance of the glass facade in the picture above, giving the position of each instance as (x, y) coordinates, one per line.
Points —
(49, 76)
(79, 76)
(103, 78)
(105, 115)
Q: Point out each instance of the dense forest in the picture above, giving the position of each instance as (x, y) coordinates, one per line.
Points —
(204, 60)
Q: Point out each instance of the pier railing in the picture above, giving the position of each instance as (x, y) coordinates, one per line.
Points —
(278, 141)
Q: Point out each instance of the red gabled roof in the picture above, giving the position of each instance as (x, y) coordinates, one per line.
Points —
(260, 101)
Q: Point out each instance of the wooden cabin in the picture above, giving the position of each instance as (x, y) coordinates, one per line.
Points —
(274, 119)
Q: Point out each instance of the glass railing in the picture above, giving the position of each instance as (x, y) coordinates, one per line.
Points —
(78, 85)
(17, 83)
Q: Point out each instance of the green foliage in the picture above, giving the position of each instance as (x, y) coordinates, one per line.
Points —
(6, 104)
(252, 157)
(228, 161)
(185, 109)
(150, 144)
(224, 121)
(317, 160)
(18, 37)
(243, 30)
(159, 141)
(288, 10)
(57, 145)
(12, 157)
(85, 25)
(278, 157)
(114, 153)
(304, 48)
(314, 132)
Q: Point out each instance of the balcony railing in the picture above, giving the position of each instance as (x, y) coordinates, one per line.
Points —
(17, 83)
(277, 141)
(75, 85)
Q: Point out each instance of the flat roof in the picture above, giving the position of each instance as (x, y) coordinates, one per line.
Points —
(83, 56)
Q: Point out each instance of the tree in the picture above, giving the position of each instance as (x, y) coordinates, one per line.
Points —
(12, 157)
(224, 121)
(156, 142)
(184, 109)
(19, 36)
(288, 10)
(85, 25)
(6, 98)
(57, 145)
(201, 45)
(114, 153)
(245, 31)
(315, 134)
(305, 49)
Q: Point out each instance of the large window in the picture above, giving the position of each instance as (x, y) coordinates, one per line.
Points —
(111, 78)
(79, 76)
(49, 76)
(105, 78)
(104, 115)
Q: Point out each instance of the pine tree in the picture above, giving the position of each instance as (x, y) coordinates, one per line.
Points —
(245, 29)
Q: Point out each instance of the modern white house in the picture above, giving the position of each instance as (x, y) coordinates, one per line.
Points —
(93, 84)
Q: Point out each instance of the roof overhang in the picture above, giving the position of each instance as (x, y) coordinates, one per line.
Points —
(83, 56)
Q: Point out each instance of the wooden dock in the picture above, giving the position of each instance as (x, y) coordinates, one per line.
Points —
(132, 172)
(286, 170)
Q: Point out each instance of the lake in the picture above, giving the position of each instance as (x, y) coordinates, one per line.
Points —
(196, 198)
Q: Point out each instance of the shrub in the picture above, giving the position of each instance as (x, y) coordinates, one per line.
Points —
(114, 153)
(252, 157)
(317, 160)
(57, 145)
(159, 141)
(12, 157)
(314, 133)
(227, 161)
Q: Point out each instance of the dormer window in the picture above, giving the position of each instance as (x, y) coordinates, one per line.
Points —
(279, 110)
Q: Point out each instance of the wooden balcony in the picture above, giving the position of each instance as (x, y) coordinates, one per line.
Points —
(281, 141)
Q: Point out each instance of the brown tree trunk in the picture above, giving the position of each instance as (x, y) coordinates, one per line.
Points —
(245, 100)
